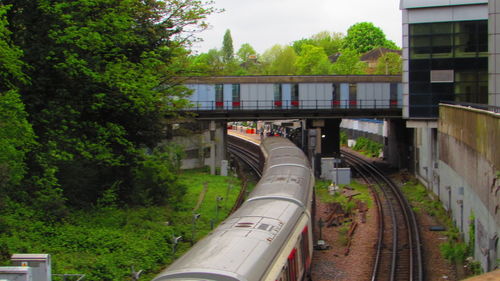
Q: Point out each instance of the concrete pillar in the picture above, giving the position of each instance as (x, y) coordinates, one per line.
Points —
(396, 144)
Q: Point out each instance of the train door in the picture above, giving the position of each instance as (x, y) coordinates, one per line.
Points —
(295, 96)
(304, 245)
(219, 96)
(353, 95)
(236, 96)
(335, 95)
(278, 95)
(292, 265)
(393, 99)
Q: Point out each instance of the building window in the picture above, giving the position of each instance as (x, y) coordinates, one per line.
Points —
(278, 95)
(295, 95)
(236, 95)
(447, 48)
(219, 95)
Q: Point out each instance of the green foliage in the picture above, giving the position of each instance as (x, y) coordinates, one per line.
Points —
(323, 194)
(279, 60)
(349, 64)
(101, 90)
(245, 51)
(364, 36)
(343, 138)
(155, 177)
(453, 251)
(103, 243)
(368, 147)
(313, 61)
(16, 133)
(389, 64)
(227, 47)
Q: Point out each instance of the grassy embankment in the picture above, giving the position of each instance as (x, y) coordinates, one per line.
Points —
(105, 241)
(347, 205)
(454, 249)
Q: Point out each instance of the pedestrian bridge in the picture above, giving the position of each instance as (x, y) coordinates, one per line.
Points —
(283, 97)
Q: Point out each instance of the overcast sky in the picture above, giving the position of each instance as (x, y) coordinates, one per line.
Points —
(264, 23)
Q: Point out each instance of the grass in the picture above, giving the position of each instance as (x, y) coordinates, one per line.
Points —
(324, 195)
(454, 250)
(105, 242)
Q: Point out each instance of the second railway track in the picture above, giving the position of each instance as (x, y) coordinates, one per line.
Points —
(399, 249)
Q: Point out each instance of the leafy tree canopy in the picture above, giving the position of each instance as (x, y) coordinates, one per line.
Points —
(313, 61)
(279, 60)
(16, 134)
(101, 73)
(246, 50)
(348, 64)
(227, 47)
(389, 64)
(364, 36)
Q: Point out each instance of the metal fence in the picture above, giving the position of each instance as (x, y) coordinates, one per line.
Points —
(293, 104)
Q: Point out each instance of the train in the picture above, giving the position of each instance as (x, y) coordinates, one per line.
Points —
(270, 237)
(307, 95)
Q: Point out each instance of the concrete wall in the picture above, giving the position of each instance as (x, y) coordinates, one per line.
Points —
(494, 50)
(207, 148)
(469, 183)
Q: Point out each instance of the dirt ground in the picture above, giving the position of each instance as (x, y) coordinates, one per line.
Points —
(333, 264)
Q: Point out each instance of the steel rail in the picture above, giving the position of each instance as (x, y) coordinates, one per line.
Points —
(415, 256)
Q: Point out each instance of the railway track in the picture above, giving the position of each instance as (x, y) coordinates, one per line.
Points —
(398, 256)
(248, 152)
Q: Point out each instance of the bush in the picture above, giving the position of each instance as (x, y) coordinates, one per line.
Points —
(368, 147)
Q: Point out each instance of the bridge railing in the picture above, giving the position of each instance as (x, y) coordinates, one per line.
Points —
(293, 105)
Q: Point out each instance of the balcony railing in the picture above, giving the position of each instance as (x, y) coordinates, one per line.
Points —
(293, 105)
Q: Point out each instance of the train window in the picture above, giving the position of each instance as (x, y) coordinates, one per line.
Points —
(335, 94)
(278, 95)
(236, 95)
(292, 266)
(219, 95)
(393, 99)
(295, 95)
(352, 94)
(305, 248)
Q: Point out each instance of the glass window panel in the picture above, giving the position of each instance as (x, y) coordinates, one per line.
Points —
(420, 29)
(420, 88)
(219, 93)
(420, 41)
(277, 92)
(465, 76)
(420, 65)
(420, 53)
(419, 76)
(442, 28)
(236, 92)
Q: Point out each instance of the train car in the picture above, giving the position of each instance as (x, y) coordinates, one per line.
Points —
(268, 96)
(269, 237)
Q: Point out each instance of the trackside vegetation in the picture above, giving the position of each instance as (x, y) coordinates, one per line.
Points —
(104, 242)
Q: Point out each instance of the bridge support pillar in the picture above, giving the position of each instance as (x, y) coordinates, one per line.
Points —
(326, 138)
(330, 138)
(396, 144)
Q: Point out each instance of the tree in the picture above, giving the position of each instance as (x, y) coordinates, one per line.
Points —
(349, 64)
(279, 60)
(227, 47)
(245, 51)
(364, 36)
(313, 61)
(16, 134)
(102, 85)
(330, 42)
(389, 64)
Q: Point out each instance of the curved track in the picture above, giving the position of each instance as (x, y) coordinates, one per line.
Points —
(398, 249)
(248, 152)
